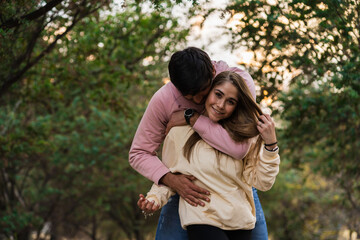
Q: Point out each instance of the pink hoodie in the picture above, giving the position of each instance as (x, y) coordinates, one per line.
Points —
(151, 130)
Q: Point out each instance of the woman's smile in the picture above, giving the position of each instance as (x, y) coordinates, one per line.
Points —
(222, 101)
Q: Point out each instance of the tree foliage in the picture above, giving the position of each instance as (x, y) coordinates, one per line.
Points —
(310, 52)
(68, 120)
(25, 23)
(75, 81)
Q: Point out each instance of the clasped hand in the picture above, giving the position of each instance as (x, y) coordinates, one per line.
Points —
(148, 207)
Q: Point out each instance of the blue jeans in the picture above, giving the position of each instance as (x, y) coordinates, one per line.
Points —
(260, 231)
(169, 227)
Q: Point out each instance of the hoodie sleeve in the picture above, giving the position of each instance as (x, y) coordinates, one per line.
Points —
(261, 173)
(160, 194)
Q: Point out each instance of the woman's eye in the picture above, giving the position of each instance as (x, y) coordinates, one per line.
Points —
(218, 94)
(232, 102)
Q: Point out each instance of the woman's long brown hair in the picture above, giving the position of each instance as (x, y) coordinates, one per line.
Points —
(241, 125)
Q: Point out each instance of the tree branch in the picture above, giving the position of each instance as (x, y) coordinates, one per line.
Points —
(16, 76)
(5, 191)
(31, 16)
(144, 53)
(80, 14)
(6, 127)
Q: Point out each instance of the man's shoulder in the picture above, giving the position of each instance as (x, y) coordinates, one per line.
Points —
(221, 66)
(164, 100)
(165, 93)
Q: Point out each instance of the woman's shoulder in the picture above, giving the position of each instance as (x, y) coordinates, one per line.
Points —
(177, 137)
(180, 132)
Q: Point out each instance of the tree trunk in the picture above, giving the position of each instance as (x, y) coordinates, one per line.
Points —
(24, 234)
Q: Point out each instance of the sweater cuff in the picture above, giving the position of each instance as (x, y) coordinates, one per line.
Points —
(200, 125)
(153, 198)
(271, 154)
(159, 174)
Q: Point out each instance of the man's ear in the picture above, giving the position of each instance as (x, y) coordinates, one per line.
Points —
(214, 71)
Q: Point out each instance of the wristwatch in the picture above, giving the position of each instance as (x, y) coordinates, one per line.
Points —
(188, 113)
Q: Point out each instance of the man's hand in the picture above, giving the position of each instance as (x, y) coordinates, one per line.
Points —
(177, 119)
(184, 186)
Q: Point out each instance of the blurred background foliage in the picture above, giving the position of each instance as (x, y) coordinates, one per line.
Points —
(76, 76)
(307, 60)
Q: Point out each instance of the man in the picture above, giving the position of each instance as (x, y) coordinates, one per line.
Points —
(191, 72)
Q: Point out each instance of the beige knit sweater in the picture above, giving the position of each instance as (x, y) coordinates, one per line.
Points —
(230, 183)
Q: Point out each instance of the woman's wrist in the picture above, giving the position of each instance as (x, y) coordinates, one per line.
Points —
(272, 148)
(273, 143)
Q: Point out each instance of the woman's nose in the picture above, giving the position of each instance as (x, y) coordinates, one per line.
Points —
(221, 104)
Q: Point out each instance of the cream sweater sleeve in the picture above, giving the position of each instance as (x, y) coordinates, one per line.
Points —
(159, 194)
(261, 173)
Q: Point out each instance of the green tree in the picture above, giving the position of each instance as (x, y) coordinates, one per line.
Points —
(25, 23)
(67, 124)
(310, 51)
(29, 30)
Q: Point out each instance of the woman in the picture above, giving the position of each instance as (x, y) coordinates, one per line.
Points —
(231, 212)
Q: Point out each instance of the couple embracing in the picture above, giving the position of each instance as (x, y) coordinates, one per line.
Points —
(218, 149)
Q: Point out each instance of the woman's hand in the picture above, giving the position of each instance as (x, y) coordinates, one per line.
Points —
(148, 207)
(266, 127)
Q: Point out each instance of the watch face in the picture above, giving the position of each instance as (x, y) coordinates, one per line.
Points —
(189, 112)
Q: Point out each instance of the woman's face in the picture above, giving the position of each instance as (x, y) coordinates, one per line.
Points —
(221, 101)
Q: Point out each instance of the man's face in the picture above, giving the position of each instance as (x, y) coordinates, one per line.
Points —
(200, 97)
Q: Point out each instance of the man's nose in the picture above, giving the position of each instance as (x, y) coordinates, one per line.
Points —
(198, 99)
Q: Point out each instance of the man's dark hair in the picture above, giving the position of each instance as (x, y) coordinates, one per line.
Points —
(190, 70)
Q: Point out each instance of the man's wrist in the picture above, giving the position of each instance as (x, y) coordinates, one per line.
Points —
(194, 118)
(166, 179)
(188, 113)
